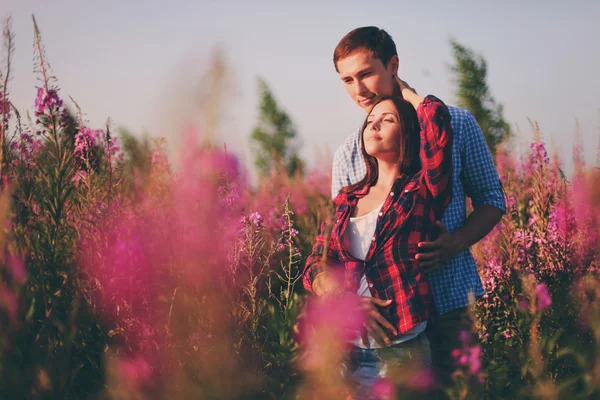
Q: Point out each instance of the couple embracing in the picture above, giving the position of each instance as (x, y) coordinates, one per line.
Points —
(400, 235)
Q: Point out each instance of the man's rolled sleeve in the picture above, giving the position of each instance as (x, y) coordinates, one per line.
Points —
(480, 178)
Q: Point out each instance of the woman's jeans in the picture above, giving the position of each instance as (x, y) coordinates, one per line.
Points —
(365, 366)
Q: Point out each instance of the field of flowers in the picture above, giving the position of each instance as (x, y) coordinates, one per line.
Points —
(122, 278)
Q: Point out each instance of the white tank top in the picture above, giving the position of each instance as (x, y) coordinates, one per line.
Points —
(357, 240)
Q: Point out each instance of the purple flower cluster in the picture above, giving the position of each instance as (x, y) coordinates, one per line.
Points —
(47, 101)
(544, 301)
(85, 140)
(256, 219)
(26, 148)
(232, 195)
(539, 155)
(468, 357)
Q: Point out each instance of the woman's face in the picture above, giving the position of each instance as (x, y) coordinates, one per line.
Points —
(382, 134)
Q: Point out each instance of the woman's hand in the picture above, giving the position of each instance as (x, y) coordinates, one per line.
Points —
(325, 284)
(375, 323)
(409, 94)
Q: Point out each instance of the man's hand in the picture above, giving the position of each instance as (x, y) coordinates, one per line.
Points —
(437, 253)
(375, 323)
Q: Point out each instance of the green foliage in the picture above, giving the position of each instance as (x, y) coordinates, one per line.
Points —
(470, 76)
(274, 137)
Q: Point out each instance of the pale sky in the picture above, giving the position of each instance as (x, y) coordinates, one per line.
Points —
(140, 62)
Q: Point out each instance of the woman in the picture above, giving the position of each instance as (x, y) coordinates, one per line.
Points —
(373, 236)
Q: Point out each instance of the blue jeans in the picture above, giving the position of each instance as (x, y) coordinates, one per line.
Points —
(366, 366)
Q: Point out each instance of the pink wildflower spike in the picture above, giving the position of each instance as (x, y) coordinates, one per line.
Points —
(524, 304)
(256, 219)
(475, 360)
(343, 315)
(456, 354)
(17, 268)
(85, 140)
(544, 301)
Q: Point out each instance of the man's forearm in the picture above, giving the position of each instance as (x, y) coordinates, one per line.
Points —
(479, 223)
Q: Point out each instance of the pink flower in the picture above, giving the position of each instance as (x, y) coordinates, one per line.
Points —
(524, 304)
(79, 177)
(544, 301)
(85, 140)
(384, 388)
(47, 101)
(256, 219)
(456, 353)
(135, 372)
(341, 315)
(17, 268)
(475, 360)
(327, 328)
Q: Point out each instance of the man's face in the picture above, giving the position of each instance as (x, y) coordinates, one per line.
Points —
(366, 78)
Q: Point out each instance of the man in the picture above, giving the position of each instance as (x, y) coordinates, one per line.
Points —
(367, 62)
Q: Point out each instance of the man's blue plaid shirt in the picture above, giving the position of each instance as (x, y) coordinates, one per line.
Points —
(474, 176)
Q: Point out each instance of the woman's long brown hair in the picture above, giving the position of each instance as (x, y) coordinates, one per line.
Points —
(409, 159)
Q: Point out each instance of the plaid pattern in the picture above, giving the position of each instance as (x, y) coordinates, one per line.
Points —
(474, 175)
(407, 217)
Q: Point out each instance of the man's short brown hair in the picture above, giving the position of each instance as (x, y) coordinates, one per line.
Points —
(377, 41)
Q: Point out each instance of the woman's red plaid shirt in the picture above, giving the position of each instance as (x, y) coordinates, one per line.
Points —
(407, 217)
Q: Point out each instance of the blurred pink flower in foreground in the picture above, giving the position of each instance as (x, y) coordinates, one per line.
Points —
(17, 268)
(385, 389)
(544, 301)
(329, 323)
(468, 357)
(135, 372)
